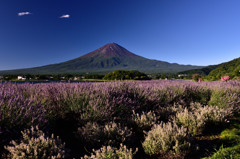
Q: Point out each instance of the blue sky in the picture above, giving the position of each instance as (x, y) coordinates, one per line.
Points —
(40, 32)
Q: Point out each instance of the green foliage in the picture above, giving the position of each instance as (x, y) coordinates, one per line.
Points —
(226, 99)
(219, 98)
(231, 136)
(203, 71)
(9, 77)
(195, 77)
(166, 76)
(126, 75)
(227, 153)
(93, 76)
(236, 73)
(230, 68)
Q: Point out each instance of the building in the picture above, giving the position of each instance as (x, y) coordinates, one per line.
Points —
(77, 78)
(182, 75)
(21, 78)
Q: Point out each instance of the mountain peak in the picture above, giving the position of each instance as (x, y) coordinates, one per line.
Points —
(111, 47)
(111, 50)
(111, 44)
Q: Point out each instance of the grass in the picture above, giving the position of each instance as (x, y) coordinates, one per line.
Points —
(230, 138)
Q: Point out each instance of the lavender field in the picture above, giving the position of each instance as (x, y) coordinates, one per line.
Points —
(144, 119)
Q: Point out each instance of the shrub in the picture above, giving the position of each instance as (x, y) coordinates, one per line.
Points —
(188, 120)
(108, 134)
(126, 75)
(63, 107)
(17, 112)
(115, 101)
(164, 138)
(200, 117)
(115, 133)
(195, 77)
(35, 144)
(226, 99)
(108, 152)
(212, 114)
(144, 121)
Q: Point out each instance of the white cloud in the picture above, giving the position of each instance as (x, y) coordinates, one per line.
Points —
(24, 13)
(65, 16)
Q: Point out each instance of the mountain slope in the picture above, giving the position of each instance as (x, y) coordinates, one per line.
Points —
(108, 58)
(231, 68)
(202, 71)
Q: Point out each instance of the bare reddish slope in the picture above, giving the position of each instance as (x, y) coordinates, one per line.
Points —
(111, 50)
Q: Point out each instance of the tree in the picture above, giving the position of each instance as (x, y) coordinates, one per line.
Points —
(126, 75)
(196, 76)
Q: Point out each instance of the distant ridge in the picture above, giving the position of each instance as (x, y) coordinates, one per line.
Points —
(108, 58)
(202, 71)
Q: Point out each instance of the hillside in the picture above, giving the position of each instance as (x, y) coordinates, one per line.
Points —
(231, 68)
(106, 59)
(203, 71)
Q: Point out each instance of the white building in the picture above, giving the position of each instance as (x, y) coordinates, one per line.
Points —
(182, 75)
(21, 78)
(77, 78)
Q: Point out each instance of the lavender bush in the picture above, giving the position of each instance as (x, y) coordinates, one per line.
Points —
(102, 113)
(18, 111)
(108, 152)
(198, 118)
(111, 134)
(145, 121)
(35, 144)
(227, 99)
(166, 138)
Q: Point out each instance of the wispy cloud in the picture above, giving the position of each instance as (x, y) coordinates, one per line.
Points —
(24, 13)
(65, 16)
